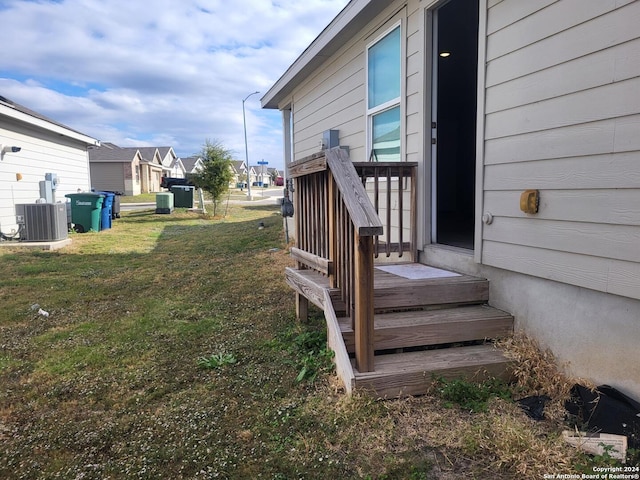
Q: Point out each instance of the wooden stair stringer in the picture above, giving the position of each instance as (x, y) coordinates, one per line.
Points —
(335, 342)
(311, 285)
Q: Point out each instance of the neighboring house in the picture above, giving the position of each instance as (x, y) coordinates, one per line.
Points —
(151, 169)
(273, 173)
(192, 164)
(116, 169)
(46, 146)
(253, 174)
(239, 170)
(129, 170)
(548, 99)
(176, 169)
(262, 174)
(171, 165)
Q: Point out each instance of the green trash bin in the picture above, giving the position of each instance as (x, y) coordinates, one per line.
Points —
(182, 196)
(164, 202)
(86, 209)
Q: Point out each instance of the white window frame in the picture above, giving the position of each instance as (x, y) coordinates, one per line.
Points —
(396, 102)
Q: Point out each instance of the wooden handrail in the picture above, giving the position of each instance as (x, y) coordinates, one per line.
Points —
(338, 228)
(364, 217)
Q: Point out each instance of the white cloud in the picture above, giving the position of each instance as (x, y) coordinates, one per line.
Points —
(158, 72)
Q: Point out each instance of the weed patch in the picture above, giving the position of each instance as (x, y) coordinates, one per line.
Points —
(216, 360)
(473, 397)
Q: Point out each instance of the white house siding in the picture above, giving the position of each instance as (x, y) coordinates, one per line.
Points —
(42, 152)
(562, 113)
(333, 97)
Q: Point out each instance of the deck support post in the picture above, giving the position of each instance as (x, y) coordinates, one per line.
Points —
(302, 308)
(363, 303)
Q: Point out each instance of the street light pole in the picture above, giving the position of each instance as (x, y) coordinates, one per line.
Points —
(246, 148)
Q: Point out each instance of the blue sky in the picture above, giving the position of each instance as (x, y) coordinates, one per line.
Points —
(158, 72)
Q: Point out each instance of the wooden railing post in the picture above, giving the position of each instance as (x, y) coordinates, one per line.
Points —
(333, 228)
(363, 300)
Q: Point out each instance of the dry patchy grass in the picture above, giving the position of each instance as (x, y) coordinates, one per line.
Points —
(109, 386)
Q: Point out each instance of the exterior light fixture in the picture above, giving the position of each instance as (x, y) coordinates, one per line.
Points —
(8, 149)
(445, 54)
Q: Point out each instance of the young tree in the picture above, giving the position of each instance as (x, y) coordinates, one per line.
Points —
(216, 174)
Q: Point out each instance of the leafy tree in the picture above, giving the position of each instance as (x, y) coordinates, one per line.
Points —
(216, 174)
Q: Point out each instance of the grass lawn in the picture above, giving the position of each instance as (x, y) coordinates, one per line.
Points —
(232, 194)
(171, 350)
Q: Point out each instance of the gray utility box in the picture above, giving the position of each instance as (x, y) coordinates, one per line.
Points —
(42, 222)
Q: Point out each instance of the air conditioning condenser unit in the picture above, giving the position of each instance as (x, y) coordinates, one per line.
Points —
(42, 222)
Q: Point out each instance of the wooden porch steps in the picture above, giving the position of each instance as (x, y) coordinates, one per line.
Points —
(433, 327)
(424, 329)
(412, 373)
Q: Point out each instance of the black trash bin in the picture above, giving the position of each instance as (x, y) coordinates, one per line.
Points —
(182, 196)
(115, 207)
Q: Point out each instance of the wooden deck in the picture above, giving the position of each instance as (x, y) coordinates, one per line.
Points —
(424, 328)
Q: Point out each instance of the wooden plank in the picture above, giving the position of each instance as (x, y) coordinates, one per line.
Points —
(307, 166)
(307, 285)
(604, 206)
(320, 264)
(363, 302)
(434, 327)
(412, 373)
(363, 215)
(617, 27)
(333, 229)
(341, 358)
(602, 274)
(621, 242)
(417, 294)
(302, 307)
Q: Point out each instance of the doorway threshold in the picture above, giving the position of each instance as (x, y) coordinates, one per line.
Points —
(449, 257)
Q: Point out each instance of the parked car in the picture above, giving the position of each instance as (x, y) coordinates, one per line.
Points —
(168, 182)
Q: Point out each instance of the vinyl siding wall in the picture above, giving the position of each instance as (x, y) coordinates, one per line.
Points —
(41, 153)
(562, 115)
(333, 97)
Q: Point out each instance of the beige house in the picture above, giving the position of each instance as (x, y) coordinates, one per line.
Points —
(116, 169)
(129, 170)
(151, 168)
(523, 121)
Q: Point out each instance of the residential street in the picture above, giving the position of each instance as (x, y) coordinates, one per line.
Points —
(260, 196)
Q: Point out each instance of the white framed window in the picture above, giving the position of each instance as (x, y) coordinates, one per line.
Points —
(384, 74)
